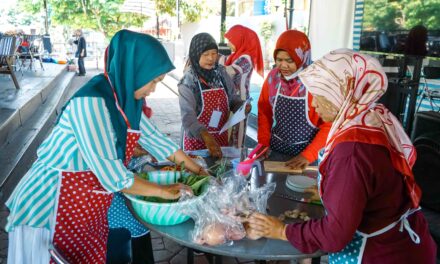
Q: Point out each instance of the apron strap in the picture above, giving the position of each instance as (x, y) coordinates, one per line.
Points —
(404, 223)
(114, 92)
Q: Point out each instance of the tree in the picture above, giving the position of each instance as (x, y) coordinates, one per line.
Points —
(192, 10)
(400, 14)
(103, 16)
(381, 15)
(421, 13)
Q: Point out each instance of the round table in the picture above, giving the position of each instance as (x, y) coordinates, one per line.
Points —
(262, 249)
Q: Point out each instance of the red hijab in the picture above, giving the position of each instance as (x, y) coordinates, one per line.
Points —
(246, 42)
(297, 44)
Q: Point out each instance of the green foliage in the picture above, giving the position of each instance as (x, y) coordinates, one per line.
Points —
(424, 12)
(267, 28)
(400, 14)
(99, 15)
(17, 18)
(105, 15)
(192, 11)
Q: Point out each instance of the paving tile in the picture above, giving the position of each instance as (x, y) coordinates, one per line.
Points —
(229, 260)
(172, 246)
(200, 260)
(157, 243)
(155, 235)
(180, 257)
(162, 255)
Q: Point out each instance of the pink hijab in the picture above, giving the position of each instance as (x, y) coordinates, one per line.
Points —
(354, 82)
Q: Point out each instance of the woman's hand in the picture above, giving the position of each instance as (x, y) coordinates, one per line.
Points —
(298, 162)
(267, 154)
(248, 109)
(212, 145)
(173, 191)
(203, 172)
(138, 151)
(314, 191)
(266, 226)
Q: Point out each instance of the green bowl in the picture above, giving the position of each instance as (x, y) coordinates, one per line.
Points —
(161, 213)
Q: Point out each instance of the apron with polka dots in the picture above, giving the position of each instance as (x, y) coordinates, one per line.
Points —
(354, 251)
(119, 215)
(214, 99)
(81, 227)
(292, 130)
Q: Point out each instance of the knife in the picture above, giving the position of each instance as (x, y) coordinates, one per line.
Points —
(298, 199)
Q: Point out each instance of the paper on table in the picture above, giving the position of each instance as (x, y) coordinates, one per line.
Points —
(236, 117)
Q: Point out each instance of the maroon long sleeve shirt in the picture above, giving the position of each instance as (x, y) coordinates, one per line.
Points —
(362, 191)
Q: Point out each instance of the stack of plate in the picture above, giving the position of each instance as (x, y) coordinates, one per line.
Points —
(299, 183)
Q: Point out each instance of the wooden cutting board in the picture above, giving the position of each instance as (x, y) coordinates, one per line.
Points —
(278, 166)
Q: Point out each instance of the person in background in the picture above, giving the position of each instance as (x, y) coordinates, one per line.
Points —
(366, 185)
(245, 58)
(415, 44)
(82, 163)
(206, 97)
(24, 45)
(287, 122)
(81, 51)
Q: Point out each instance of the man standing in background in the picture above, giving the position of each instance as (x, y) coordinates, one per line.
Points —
(81, 51)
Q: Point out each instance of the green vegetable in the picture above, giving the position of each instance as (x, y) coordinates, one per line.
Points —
(195, 182)
(158, 200)
(196, 187)
(220, 167)
(143, 175)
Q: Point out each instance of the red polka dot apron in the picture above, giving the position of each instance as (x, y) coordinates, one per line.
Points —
(81, 227)
(213, 100)
(292, 129)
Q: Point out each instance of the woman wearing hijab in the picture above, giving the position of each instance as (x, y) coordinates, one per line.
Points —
(246, 56)
(286, 120)
(206, 96)
(64, 198)
(366, 183)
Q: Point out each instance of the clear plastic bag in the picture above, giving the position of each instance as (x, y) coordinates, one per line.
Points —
(138, 164)
(219, 216)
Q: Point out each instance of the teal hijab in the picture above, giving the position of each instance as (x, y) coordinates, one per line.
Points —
(132, 60)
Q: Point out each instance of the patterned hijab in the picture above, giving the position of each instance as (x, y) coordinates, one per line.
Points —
(354, 82)
(199, 44)
(246, 42)
(132, 60)
(297, 45)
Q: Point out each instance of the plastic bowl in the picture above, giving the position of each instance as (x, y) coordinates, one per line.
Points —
(161, 213)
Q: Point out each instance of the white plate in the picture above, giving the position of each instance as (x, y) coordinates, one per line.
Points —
(300, 181)
(296, 189)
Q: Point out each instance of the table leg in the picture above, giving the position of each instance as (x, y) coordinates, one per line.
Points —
(316, 260)
(214, 259)
(189, 256)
